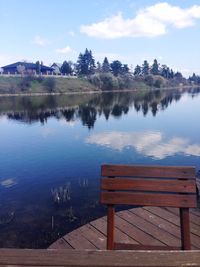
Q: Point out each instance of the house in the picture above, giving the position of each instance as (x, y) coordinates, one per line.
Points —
(26, 68)
(57, 68)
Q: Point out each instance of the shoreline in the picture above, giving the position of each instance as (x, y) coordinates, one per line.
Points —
(94, 92)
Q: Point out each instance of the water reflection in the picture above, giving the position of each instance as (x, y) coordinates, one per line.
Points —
(153, 144)
(86, 108)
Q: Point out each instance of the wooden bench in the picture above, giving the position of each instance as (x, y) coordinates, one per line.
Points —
(166, 186)
(76, 258)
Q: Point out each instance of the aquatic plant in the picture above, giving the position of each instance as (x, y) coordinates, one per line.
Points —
(61, 194)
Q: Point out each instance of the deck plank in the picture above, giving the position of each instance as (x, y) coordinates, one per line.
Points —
(146, 226)
(69, 258)
(165, 225)
(120, 236)
(173, 218)
(135, 233)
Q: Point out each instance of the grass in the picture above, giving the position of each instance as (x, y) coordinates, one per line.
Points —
(33, 85)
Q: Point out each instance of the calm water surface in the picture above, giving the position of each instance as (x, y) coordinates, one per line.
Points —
(52, 147)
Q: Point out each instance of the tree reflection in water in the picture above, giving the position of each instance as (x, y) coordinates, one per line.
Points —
(86, 107)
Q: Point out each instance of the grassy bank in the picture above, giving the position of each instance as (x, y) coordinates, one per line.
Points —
(35, 85)
(28, 85)
(61, 85)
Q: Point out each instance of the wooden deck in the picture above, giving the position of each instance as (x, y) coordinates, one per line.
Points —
(147, 226)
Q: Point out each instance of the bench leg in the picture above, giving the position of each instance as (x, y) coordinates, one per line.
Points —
(185, 228)
(110, 227)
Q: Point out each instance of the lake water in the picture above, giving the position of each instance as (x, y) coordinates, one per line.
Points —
(52, 147)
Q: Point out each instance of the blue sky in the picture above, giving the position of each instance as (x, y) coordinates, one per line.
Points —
(127, 30)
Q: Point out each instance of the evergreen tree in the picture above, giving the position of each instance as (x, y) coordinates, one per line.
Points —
(86, 63)
(38, 67)
(137, 70)
(145, 68)
(99, 68)
(125, 69)
(116, 67)
(105, 65)
(155, 67)
(66, 68)
(165, 71)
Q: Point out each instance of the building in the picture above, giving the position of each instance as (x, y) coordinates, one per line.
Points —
(26, 68)
(57, 68)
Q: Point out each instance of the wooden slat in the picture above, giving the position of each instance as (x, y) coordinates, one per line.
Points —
(13, 257)
(136, 233)
(176, 172)
(152, 230)
(60, 244)
(122, 246)
(195, 215)
(149, 199)
(165, 225)
(180, 186)
(76, 240)
(174, 218)
(120, 236)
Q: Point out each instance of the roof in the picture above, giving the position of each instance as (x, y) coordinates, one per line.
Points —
(27, 65)
(56, 64)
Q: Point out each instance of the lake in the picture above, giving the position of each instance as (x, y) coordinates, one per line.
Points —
(52, 147)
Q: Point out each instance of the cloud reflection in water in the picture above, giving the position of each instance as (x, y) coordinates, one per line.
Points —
(148, 143)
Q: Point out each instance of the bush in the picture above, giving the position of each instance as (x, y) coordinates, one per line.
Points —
(50, 84)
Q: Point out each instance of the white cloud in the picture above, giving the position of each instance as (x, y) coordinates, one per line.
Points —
(71, 33)
(41, 41)
(148, 143)
(9, 182)
(151, 21)
(65, 50)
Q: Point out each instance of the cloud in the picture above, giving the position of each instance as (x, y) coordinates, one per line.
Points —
(9, 182)
(71, 33)
(151, 21)
(152, 144)
(65, 50)
(38, 40)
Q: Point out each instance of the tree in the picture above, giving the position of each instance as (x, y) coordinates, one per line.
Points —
(155, 67)
(86, 63)
(37, 67)
(105, 65)
(116, 67)
(165, 71)
(137, 70)
(145, 68)
(125, 69)
(21, 69)
(99, 68)
(66, 68)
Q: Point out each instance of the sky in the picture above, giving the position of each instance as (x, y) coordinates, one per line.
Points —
(125, 30)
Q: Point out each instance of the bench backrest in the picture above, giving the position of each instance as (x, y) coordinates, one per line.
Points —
(163, 186)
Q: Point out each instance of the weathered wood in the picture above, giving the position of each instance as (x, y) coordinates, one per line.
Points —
(148, 199)
(123, 246)
(175, 172)
(136, 233)
(182, 186)
(101, 226)
(166, 225)
(13, 257)
(164, 237)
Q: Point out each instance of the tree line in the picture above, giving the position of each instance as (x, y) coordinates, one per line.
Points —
(117, 75)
